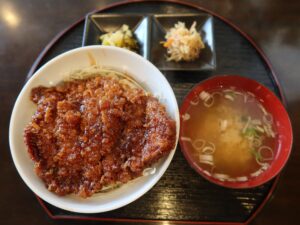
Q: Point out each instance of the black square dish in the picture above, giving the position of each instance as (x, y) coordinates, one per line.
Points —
(160, 26)
(98, 24)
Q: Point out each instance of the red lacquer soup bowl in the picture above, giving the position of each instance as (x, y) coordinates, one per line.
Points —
(282, 125)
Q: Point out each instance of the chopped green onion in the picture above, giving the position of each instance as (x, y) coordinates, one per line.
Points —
(256, 154)
(251, 132)
(231, 93)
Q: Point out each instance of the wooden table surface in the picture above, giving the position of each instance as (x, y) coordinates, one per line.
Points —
(26, 26)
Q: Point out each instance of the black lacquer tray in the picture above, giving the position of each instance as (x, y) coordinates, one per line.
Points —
(182, 196)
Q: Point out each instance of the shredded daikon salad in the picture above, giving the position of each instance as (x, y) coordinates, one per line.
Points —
(122, 38)
(183, 44)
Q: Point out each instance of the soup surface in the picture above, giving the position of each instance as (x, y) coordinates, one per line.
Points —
(229, 133)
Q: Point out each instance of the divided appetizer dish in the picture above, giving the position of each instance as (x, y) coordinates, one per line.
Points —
(182, 42)
(169, 41)
(104, 132)
(115, 29)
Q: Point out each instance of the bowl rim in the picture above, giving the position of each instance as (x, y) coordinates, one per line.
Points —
(94, 209)
(233, 184)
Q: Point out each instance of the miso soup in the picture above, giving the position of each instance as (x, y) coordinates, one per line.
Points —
(230, 134)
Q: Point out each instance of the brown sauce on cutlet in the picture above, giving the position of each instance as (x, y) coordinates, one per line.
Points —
(92, 133)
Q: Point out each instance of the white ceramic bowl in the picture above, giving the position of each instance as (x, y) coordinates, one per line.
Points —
(52, 73)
